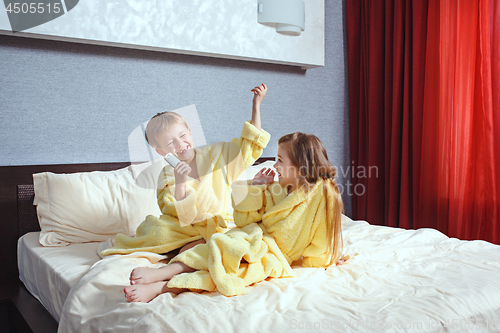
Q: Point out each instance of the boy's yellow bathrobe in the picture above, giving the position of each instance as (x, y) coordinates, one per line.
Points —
(274, 230)
(204, 210)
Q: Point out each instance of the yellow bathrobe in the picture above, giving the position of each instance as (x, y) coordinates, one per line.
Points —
(204, 210)
(273, 231)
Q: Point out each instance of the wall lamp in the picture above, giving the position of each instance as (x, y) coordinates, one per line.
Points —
(287, 15)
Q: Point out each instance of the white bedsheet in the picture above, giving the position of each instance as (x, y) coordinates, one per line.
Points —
(50, 272)
(395, 281)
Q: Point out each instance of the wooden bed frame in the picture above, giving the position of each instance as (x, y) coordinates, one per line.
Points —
(22, 312)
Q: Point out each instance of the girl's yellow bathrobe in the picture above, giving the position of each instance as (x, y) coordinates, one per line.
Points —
(273, 231)
(208, 199)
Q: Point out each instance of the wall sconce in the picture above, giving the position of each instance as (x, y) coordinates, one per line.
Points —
(287, 15)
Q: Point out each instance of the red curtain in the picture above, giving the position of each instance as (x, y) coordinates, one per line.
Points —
(386, 43)
(424, 106)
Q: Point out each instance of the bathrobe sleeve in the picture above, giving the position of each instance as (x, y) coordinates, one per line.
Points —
(248, 202)
(242, 152)
(251, 202)
(185, 210)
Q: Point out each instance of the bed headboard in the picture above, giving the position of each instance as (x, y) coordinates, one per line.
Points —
(26, 211)
(18, 215)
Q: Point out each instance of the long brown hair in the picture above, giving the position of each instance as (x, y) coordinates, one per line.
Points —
(308, 154)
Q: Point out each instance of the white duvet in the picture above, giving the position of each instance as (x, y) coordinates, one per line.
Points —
(395, 281)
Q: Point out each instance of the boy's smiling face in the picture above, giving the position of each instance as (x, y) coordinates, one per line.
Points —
(178, 141)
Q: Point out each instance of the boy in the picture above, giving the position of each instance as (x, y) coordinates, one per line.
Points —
(195, 196)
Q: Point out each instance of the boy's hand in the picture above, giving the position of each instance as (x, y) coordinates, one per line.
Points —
(181, 172)
(259, 93)
(263, 177)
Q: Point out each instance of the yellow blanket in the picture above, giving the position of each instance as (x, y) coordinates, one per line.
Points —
(203, 211)
(291, 227)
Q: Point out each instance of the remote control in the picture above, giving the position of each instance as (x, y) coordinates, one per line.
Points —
(172, 159)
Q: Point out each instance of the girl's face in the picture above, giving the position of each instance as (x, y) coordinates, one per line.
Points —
(288, 174)
(178, 141)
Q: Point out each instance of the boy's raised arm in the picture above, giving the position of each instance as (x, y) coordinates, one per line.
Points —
(258, 95)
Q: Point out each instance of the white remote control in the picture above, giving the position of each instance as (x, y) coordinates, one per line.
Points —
(172, 159)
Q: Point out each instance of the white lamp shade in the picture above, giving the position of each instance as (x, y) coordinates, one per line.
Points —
(287, 15)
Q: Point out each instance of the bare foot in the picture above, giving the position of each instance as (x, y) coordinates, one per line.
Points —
(145, 275)
(144, 293)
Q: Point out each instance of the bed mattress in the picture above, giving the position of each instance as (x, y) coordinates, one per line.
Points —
(395, 280)
(49, 272)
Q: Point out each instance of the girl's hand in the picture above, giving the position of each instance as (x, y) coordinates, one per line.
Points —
(263, 177)
(258, 93)
(181, 172)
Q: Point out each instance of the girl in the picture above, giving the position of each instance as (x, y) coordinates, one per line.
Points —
(296, 218)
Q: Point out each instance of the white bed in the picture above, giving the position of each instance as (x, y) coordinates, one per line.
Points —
(395, 280)
(49, 272)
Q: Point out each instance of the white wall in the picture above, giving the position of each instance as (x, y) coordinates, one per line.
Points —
(220, 28)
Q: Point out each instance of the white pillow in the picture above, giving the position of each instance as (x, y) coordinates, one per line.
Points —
(94, 206)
